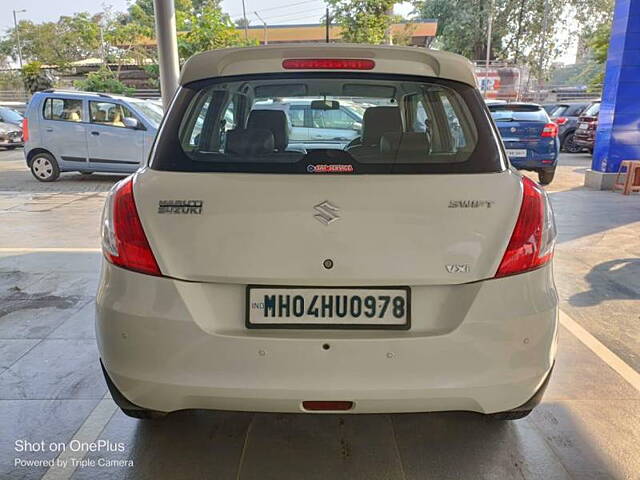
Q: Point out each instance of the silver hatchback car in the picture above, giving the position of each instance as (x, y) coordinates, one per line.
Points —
(67, 131)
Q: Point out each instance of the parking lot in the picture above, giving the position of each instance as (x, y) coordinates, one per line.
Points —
(52, 389)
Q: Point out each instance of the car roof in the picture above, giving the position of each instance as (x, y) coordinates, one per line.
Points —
(80, 93)
(268, 59)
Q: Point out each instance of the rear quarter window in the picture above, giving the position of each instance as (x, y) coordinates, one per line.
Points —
(361, 123)
(592, 110)
(64, 109)
(575, 110)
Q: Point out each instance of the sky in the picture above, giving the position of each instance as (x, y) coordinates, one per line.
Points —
(272, 11)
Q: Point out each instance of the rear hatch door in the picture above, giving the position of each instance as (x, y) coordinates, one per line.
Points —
(377, 229)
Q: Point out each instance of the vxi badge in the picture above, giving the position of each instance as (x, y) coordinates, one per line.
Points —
(327, 212)
(458, 268)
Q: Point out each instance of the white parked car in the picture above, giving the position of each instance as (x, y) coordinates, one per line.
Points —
(333, 127)
(408, 271)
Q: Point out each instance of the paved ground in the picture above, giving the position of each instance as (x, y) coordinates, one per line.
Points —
(51, 388)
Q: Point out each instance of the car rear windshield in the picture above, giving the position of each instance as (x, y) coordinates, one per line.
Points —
(518, 113)
(572, 110)
(327, 123)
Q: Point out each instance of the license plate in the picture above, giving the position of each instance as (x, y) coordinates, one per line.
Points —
(519, 152)
(584, 126)
(328, 307)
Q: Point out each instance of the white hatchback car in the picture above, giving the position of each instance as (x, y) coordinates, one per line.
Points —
(409, 271)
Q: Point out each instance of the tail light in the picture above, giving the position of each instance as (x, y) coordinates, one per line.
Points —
(550, 130)
(534, 235)
(328, 64)
(560, 120)
(25, 129)
(123, 240)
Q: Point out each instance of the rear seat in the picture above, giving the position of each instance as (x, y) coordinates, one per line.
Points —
(376, 122)
(276, 122)
(249, 142)
(404, 147)
(257, 145)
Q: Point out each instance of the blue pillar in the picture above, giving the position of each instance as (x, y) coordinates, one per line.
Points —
(618, 134)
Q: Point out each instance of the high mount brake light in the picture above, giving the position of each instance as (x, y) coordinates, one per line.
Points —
(534, 235)
(326, 405)
(550, 130)
(328, 64)
(124, 242)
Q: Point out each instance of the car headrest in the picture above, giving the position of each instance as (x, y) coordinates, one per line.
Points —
(274, 120)
(408, 147)
(379, 120)
(249, 141)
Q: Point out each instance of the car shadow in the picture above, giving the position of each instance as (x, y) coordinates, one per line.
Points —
(200, 444)
(613, 280)
(91, 177)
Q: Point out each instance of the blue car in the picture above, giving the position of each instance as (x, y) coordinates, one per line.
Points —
(529, 136)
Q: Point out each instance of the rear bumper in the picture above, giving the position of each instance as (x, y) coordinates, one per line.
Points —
(169, 345)
(534, 160)
(10, 143)
(533, 164)
(583, 140)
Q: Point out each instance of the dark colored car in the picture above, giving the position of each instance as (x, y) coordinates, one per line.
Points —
(565, 115)
(529, 136)
(550, 107)
(585, 134)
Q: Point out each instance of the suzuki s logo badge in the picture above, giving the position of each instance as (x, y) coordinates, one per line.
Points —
(327, 212)
(513, 129)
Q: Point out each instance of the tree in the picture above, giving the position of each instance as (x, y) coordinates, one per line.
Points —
(125, 40)
(201, 25)
(103, 80)
(35, 78)
(58, 43)
(524, 31)
(241, 22)
(363, 21)
(599, 45)
(207, 28)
